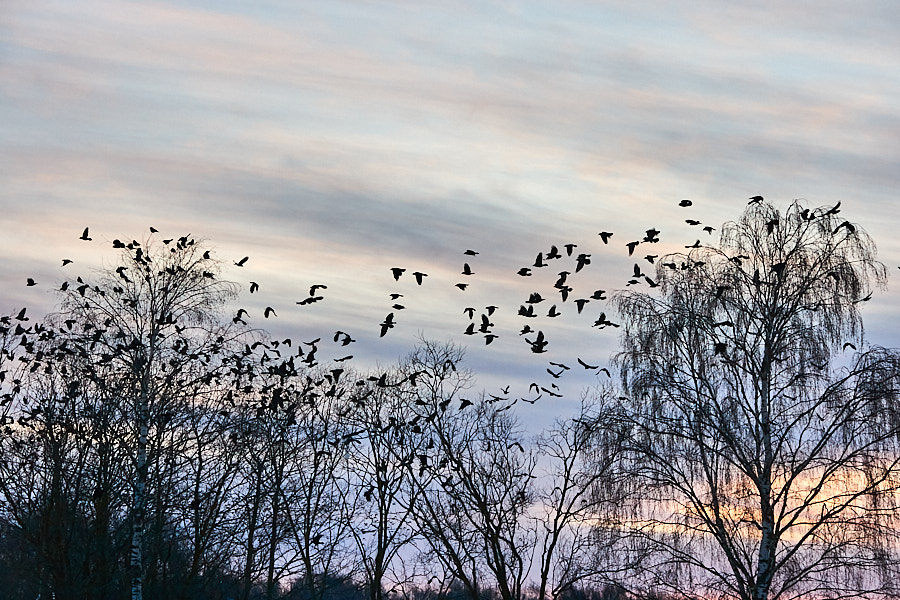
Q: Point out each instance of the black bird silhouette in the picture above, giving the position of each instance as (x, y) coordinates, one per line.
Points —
(534, 298)
(255, 286)
(462, 286)
(526, 311)
(419, 276)
(397, 272)
(237, 318)
(539, 345)
(834, 209)
(692, 222)
(525, 272)
(469, 311)
(490, 337)
(694, 245)
(848, 225)
(397, 306)
(755, 200)
(490, 309)
(651, 257)
(316, 286)
(310, 300)
(553, 312)
(581, 260)
(467, 270)
(84, 235)
(605, 235)
(652, 236)
(30, 282)
(470, 330)
(685, 203)
(637, 271)
(587, 366)
(562, 279)
(241, 262)
(395, 296)
(598, 295)
(344, 338)
(569, 248)
(66, 261)
(388, 323)
(554, 253)
(580, 302)
(21, 316)
(848, 344)
(709, 229)
(464, 403)
(539, 261)
(470, 252)
(526, 329)
(269, 311)
(631, 247)
(650, 282)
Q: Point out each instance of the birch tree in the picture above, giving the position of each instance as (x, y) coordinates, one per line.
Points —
(763, 432)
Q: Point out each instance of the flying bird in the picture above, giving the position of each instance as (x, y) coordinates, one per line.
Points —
(652, 236)
(755, 200)
(30, 282)
(241, 262)
(84, 235)
(316, 286)
(582, 260)
(388, 323)
(631, 247)
(419, 276)
(66, 261)
(694, 245)
(462, 286)
(269, 311)
(255, 286)
(525, 272)
(397, 272)
(554, 253)
(570, 248)
(470, 252)
(467, 270)
(692, 222)
(685, 203)
(605, 235)
(587, 366)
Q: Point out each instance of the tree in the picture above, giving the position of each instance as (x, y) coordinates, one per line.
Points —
(154, 322)
(766, 455)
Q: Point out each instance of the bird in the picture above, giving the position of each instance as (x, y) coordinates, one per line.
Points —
(848, 344)
(534, 298)
(469, 311)
(242, 262)
(692, 222)
(30, 282)
(66, 261)
(637, 271)
(850, 227)
(580, 302)
(709, 229)
(490, 309)
(650, 282)
(755, 200)
(651, 257)
(237, 317)
(489, 337)
(397, 272)
(694, 245)
(153, 229)
(834, 210)
(419, 276)
(652, 236)
(685, 203)
(539, 261)
(21, 316)
(605, 235)
(554, 253)
(587, 366)
(470, 252)
(84, 235)
(581, 260)
(255, 286)
(770, 225)
(526, 311)
(569, 248)
(269, 311)
(388, 323)
(462, 286)
(310, 300)
(631, 247)
(467, 270)
(344, 338)
(539, 344)
(464, 402)
(525, 272)
(553, 312)
(598, 295)
(562, 279)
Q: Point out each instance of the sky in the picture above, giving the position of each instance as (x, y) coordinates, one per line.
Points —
(331, 141)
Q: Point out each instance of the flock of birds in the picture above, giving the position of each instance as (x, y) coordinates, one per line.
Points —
(571, 262)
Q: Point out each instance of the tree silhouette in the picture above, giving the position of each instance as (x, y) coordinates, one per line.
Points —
(765, 455)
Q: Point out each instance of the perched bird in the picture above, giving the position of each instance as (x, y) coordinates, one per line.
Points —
(84, 235)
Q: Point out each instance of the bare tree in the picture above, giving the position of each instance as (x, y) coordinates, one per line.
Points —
(765, 453)
(151, 320)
